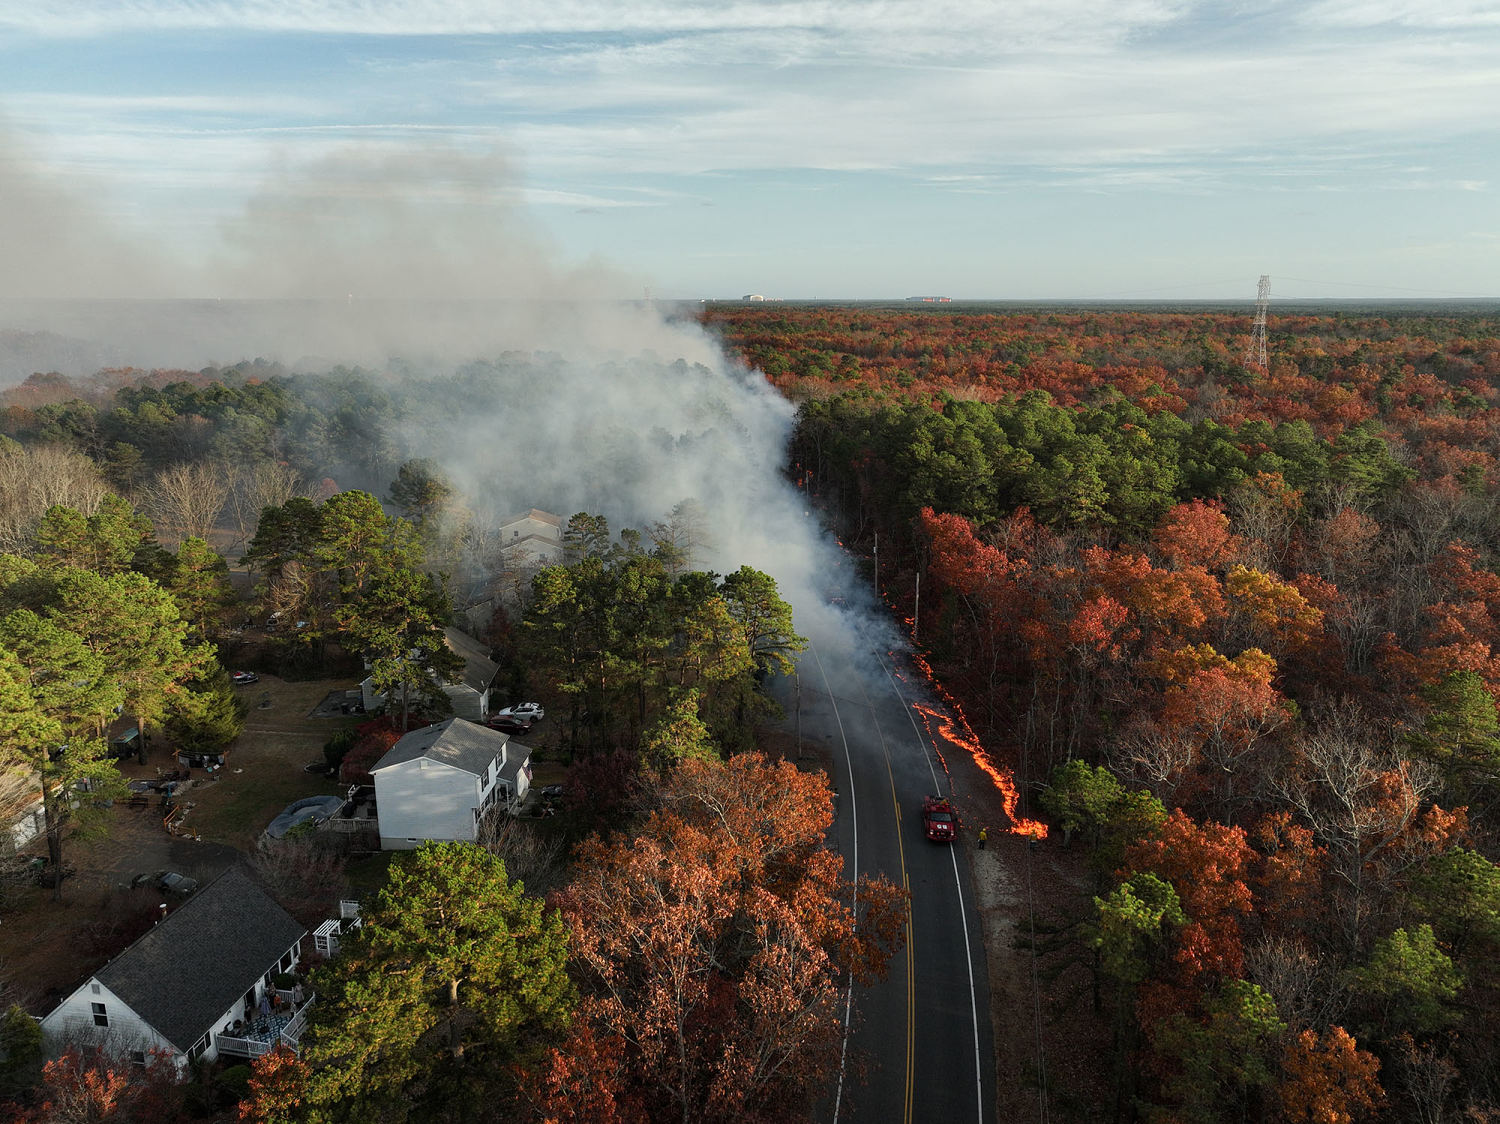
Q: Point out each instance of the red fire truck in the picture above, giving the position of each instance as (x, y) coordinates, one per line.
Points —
(939, 820)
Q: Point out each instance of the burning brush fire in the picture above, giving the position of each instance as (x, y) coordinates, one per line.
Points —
(956, 730)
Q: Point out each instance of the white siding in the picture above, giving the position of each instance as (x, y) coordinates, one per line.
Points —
(27, 827)
(531, 542)
(370, 696)
(423, 799)
(73, 1023)
(515, 777)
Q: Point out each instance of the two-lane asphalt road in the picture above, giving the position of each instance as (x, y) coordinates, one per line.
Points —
(920, 1047)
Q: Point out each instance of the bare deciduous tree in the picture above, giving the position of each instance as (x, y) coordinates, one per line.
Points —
(289, 595)
(305, 874)
(1158, 758)
(186, 500)
(253, 488)
(530, 856)
(1360, 796)
(33, 480)
(1427, 1077)
(1307, 991)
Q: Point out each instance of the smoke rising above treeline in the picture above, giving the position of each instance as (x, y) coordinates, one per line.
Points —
(529, 382)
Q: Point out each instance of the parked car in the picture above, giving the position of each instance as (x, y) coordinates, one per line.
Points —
(507, 725)
(240, 678)
(168, 882)
(526, 712)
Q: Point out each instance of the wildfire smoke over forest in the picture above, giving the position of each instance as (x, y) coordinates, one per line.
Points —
(410, 297)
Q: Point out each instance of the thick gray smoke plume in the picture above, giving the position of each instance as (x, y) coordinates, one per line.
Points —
(573, 399)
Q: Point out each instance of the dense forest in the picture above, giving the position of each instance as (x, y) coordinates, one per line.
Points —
(1235, 630)
(672, 944)
(1238, 631)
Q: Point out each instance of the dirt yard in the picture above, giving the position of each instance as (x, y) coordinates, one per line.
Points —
(47, 947)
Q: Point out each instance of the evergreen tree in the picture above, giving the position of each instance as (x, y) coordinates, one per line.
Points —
(455, 978)
(207, 715)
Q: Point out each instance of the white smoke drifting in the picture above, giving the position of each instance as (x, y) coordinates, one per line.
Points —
(547, 389)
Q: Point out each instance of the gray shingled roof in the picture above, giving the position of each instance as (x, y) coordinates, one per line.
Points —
(514, 763)
(187, 971)
(455, 741)
(479, 669)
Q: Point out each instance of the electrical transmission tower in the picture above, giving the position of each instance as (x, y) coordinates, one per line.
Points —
(1255, 351)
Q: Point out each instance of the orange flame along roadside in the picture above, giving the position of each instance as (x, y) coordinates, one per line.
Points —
(956, 729)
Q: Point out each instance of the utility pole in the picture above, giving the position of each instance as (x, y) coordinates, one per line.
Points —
(797, 683)
(916, 613)
(877, 565)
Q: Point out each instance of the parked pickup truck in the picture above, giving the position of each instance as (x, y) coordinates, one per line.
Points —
(939, 820)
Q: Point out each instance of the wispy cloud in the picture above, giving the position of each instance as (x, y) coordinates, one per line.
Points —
(628, 110)
(938, 21)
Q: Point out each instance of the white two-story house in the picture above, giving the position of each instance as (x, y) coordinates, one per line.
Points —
(439, 782)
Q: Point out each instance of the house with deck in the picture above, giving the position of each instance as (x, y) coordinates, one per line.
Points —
(439, 782)
(198, 985)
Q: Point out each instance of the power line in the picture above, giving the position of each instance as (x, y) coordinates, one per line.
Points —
(1382, 287)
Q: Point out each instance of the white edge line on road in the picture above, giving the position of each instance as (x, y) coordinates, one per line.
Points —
(838, 1097)
(962, 911)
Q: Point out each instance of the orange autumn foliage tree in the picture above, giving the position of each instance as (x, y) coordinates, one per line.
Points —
(1288, 881)
(1224, 708)
(1198, 534)
(91, 1087)
(1328, 1079)
(709, 950)
(1209, 865)
(1167, 607)
(277, 1090)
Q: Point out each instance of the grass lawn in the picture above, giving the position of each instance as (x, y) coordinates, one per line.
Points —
(236, 809)
(264, 771)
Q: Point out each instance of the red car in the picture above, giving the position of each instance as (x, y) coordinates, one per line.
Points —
(939, 820)
(507, 725)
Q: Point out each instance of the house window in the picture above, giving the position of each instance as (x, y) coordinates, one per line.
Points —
(101, 1018)
(198, 1048)
(138, 1057)
(93, 987)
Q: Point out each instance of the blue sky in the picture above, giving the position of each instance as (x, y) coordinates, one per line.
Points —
(1026, 149)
